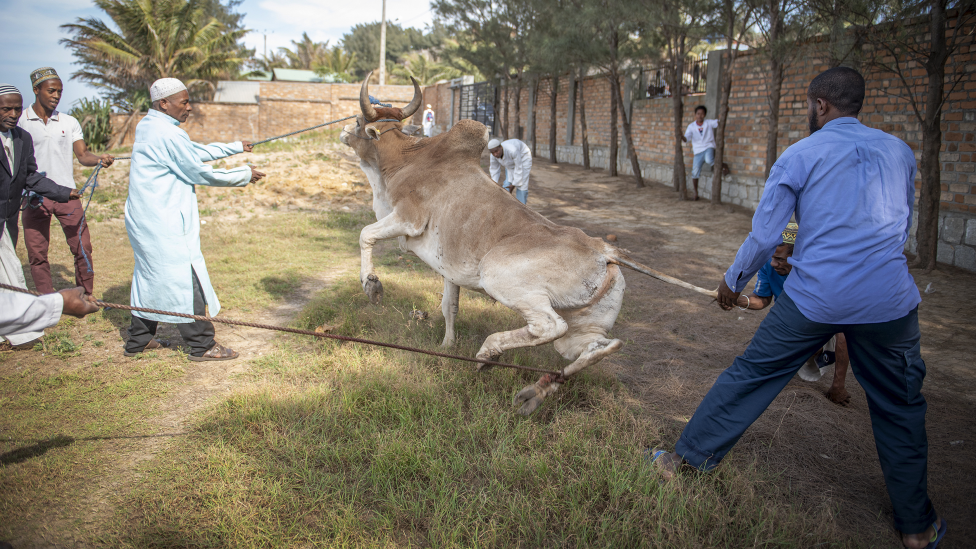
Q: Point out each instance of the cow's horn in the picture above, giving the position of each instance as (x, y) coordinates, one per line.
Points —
(418, 98)
(368, 111)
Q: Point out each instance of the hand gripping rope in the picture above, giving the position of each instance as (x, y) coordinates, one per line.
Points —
(556, 375)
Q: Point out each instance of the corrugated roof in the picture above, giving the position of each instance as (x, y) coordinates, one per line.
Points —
(237, 92)
(301, 75)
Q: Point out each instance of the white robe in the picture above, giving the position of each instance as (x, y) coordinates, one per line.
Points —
(25, 314)
(161, 215)
(517, 161)
(12, 274)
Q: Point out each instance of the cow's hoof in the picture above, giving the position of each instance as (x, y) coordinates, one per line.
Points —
(374, 289)
(482, 367)
(532, 396)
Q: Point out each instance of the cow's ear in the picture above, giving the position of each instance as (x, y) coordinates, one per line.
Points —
(411, 129)
(373, 132)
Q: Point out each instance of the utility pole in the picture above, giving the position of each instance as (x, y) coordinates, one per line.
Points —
(383, 46)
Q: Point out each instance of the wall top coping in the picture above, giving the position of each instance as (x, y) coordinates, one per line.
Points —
(293, 100)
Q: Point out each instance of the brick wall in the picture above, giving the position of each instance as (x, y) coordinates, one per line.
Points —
(282, 107)
(746, 134)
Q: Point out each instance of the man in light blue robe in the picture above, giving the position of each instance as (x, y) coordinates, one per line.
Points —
(163, 223)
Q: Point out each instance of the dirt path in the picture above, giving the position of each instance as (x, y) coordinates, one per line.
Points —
(678, 343)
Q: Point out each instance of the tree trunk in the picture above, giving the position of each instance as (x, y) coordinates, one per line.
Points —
(628, 136)
(518, 108)
(584, 140)
(504, 125)
(774, 95)
(554, 88)
(723, 103)
(612, 157)
(678, 68)
(775, 85)
(532, 117)
(927, 231)
(496, 105)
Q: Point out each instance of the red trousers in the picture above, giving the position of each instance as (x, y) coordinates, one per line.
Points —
(37, 237)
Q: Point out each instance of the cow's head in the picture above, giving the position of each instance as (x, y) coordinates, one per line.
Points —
(375, 121)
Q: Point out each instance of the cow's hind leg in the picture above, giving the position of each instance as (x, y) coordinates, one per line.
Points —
(449, 306)
(390, 226)
(532, 396)
(544, 325)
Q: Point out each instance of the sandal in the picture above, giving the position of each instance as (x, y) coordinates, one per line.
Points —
(217, 352)
(666, 462)
(153, 345)
(940, 526)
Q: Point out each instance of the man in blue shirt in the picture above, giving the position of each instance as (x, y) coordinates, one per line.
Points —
(851, 189)
(769, 285)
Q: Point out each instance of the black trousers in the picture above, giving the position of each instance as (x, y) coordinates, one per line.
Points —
(199, 334)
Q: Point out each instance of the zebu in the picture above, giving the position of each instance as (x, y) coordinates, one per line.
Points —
(432, 194)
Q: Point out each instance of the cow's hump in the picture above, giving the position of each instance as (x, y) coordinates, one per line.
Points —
(466, 140)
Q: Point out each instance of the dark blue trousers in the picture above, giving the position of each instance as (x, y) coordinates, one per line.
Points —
(885, 359)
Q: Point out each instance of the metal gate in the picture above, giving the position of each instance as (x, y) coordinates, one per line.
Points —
(478, 103)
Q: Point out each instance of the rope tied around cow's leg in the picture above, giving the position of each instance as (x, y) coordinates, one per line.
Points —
(305, 332)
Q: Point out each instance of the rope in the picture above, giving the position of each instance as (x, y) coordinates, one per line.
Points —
(263, 141)
(558, 375)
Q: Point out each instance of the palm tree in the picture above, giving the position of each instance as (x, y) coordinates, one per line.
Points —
(426, 72)
(266, 65)
(307, 54)
(338, 62)
(156, 39)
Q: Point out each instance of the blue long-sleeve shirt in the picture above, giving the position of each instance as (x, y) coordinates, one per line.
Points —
(852, 190)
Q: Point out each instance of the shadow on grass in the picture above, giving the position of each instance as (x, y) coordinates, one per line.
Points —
(37, 449)
(41, 447)
(117, 294)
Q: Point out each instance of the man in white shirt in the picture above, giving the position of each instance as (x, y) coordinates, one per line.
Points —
(56, 137)
(701, 133)
(516, 157)
(428, 122)
(22, 313)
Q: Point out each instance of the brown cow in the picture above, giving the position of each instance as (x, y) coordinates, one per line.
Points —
(432, 194)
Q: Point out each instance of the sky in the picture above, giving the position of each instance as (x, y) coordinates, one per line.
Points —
(30, 31)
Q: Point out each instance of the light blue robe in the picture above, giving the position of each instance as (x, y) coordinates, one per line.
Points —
(161, 215)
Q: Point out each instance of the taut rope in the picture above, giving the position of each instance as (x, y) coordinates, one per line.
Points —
(558, 375)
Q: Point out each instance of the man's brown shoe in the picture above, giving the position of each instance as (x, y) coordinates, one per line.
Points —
(217, 352)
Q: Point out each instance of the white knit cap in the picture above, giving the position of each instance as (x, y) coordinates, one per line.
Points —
(165, 87)
(8, 89)
(494, 143)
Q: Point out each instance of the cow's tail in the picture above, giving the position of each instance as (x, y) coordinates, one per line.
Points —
(616, 257)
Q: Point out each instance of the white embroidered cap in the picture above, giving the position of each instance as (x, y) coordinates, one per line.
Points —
(494, 143)
(165, 87)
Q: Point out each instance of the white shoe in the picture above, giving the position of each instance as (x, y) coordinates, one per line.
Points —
(809, 371)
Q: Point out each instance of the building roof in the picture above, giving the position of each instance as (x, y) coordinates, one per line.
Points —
(300, 75)
(237, 92)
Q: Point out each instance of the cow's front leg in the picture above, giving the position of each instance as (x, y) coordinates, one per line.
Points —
(449, 306)
(391, 226)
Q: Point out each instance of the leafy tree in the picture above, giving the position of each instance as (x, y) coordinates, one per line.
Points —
(363, 41)
(155, 39)
(307, 54)
(784, 26)
(339, 63)
(265, 65)
(424, 69)
(683, 23)
(737, 19)
(913, 34)
(95, 117)
(492, 35)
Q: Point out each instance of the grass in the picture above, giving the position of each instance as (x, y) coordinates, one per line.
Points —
(334, 444)
(339, 445)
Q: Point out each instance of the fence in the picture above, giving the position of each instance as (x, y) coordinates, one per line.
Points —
(478, 103)
(654, 81)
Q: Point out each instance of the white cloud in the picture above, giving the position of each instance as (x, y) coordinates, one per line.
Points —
(285, 20)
